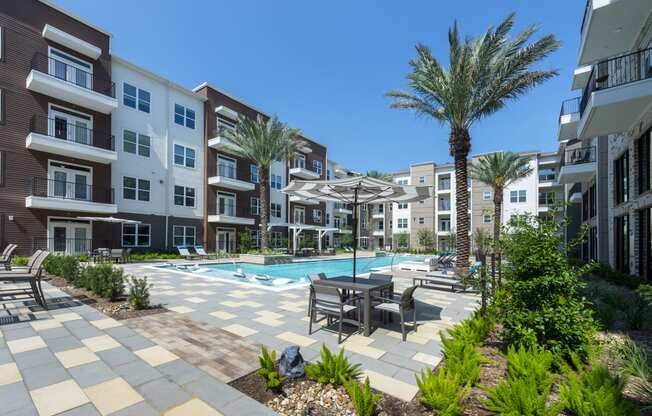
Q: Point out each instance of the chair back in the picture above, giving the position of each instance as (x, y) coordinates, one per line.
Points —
(381, 276)
(37, 267)
(327, 294)
(116, 252)
(314, 277)
(32, 259)
(183, 251)
(6, 250)
(200, 250)
(9, 250)
(407, 298)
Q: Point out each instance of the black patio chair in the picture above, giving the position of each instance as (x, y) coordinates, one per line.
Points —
(313, 278)
(400, 304)
(7, 255)
(328, 301)
(33, 278)
(26, 268)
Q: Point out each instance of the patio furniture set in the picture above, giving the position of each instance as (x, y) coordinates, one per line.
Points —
(192, 252)
(30, 274)
(117, 255)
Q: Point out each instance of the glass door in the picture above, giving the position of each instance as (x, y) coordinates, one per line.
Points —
(70, 126)
(69, 182)
(226, 204)
(226, 241)
(299, 215)
(69, 237)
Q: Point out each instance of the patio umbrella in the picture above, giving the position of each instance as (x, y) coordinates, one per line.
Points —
(357, 190)
(112, 220)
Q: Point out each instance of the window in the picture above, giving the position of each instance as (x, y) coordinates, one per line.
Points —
(621, 179)
(422, 179)
(402, 181)
(316, 215)
(254, 204)
(275, 210)
(2, 43)
(445, 183)
(132, 96)
(518, 196)
(136, 143)
(276, 181)
(592, 202)
(184, 116)
(402, 223)
(183, 235)
(546, 175)
(133, 188)
(444, 204)
(486, 196)
(253, 173)
(328, 218)
(422, 220)
(299, 161)
(546, 198)
(402, 205)
(277, 239)
(621, 243)
(486, 218)
(644, 162)
(184, 196)
(136, 235)
(445, 225)
(316, 166)
(184, 156)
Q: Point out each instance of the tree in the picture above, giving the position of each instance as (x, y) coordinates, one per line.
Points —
(264, 141)
(499, 170)
(426, 239)
(483, 75)
(401, 240)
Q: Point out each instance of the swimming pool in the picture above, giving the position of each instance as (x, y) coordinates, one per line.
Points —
(288, 274)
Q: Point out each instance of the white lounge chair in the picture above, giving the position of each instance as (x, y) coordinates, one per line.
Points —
(427, 265)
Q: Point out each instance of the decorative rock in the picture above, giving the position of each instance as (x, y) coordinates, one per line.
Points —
(291, 364)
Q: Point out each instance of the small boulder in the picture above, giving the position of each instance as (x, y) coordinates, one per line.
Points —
(291, 364)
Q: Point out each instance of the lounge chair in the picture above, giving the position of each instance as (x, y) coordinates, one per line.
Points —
(33, 278)
(328, 301)
(428, 265)
(183, 251)
(201, 252)
(400, 304)
(7, 255)
(439, 281)
(28, 267)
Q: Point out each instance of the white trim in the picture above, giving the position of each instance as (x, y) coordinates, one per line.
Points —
(66, 39)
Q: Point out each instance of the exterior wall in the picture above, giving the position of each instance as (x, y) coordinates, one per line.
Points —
(400, 213)
(529, 184)
(480, 207)
(444, 238)
(423, 209)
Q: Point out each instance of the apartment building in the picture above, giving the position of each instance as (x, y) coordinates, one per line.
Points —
(604, 136)
(56, 147)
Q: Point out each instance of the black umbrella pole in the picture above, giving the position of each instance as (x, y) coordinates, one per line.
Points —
(355, 229)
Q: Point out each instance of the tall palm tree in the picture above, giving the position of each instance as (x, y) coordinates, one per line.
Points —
(263, 141)
(484, 73)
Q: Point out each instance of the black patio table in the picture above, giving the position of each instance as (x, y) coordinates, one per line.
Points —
(366, 286)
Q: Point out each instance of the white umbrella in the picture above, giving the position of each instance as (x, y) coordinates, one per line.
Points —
(112, 220)
(357, 190)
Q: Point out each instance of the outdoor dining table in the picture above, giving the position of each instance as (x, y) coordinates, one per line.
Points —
(366, 286)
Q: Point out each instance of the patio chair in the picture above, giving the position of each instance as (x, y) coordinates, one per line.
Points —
(201, 252)
(33, 278)
(400, 303)
(313, 278)
(117, 255)
(7, 255)
(185, 252)
(382, 277)
(26, 268)
(328, 301)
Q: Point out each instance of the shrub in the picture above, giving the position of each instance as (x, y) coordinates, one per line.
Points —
(462, 359)
(268, 369)
(139, 293)
(19, 261)
(333, 369)
(632, 361)
(636, 313)
(441, 391)
(473, 331)
(363, 399)
(605, 272)
(69, 268)
(530, 363)
(540, 302)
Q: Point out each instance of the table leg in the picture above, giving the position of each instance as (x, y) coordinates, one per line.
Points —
(367, 313)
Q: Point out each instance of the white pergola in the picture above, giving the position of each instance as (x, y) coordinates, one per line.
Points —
(298, 228)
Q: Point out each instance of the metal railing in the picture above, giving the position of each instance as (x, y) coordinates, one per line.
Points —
(614, 72)
(228, 171)
(72, 74)
(444, 185)
(69, 246)
(59, 189)
(569, 106)
(548, 177)
(579, 156)
(78, 134)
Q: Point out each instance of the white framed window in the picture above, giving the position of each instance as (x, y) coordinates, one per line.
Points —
(253, 173)
(402, 223)
(316, 215)
(275, 210)
(317, 167)
(184, 116)
(135, 189)
(518, 196)
(276, 181)
(184, 235)
(136, 143)
(402, 181)
(299, 161)
(422, 179)
(402, 205)
(486, 196)
(422, 220)
(254, 203)
(136, 235)
(328, 218)
(445, 225)
(226, 204)
(486, 218)
(136, 98)
(276, 238)
(184, 156)
(184, 196)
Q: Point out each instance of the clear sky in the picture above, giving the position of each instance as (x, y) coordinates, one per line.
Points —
(324, 66)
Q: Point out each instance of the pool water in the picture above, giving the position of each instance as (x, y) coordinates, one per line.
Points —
(291, 273)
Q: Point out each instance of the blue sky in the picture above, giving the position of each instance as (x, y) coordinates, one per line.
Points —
(324, 66)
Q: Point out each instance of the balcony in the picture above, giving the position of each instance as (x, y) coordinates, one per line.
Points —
(444, 205)
(58, 137)
(44, 193)
(226, 177)
(610, 27)
(578, 165)
(303, 173)
(378, 233)
(617, 94)
(228, 214)
(378, 215)
(220, 142)
(72, 42)
(569, 118)
(342, 209)
(59, 80)
(303, 201)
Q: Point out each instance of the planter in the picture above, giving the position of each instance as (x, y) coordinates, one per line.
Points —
(265, 258)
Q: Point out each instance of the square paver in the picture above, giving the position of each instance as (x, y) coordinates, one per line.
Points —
(44, 375)
(137, 372)
(193, 407)
(90, 374)
(116, 356)
(34, 358)
(156, 355)
(101, 343)
(9, 374)
(25, 344)
(195, 300)
(113, 395)
(426, 358)
(240, 330)
(16, 400)
(58, 398)
(76, 357)
(181, 309)
(295, 338)
(45, 324)
(224, 315)
(391, 386)
(163, 394)
(265, 320)
(136, 342)
(105, 323)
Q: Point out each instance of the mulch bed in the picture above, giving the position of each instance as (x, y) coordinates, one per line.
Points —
(118, 309)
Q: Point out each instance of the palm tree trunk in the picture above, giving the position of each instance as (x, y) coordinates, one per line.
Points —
(498, 209)
(263, 173)
(460, 145)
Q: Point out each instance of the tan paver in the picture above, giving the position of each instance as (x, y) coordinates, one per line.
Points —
(181, 309)
(76, 357)
(296, 339)
(365, 350)
(426, 358)
(359, 340)
(191, 408)
(25, 344)
(411, 337)
(391, 386)
(100, 343)
(240, 330)
(268, 321)
(9, 374)
(113, 395)
(195, 300)
(231, 303)
(57, 398)
(270, 314)
(156, 355)
(65, 317)
(105, 323)
(223, 315)
(45, 324)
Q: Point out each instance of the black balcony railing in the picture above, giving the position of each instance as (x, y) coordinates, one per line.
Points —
(227, 171)
(60, 189)
(617, 71)
(73, 75)
(546, 199)
(579, 156)
(74, 133)
(547, 177)
(569, 106)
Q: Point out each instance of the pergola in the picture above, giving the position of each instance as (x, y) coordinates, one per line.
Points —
(298, 228)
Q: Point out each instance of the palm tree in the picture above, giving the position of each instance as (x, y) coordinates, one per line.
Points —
(483, 75)
(499, 170)
(263, 141)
